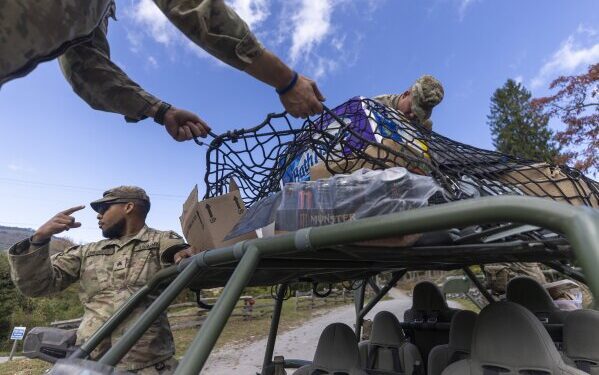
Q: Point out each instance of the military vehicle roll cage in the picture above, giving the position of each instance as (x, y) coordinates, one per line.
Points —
(326, 254)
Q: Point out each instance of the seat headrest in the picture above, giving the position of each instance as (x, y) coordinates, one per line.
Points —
(581, 335)
(529, 293)
(337, 350)
(428, 297)
(386, 330)
(461, 330)
(509, 336)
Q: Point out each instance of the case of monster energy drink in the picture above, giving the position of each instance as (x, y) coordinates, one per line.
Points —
(364, 193)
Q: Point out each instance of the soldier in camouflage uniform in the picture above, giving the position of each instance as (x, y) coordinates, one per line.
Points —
(417, 102)
(498, 275)
(108, 271)
(34, 31)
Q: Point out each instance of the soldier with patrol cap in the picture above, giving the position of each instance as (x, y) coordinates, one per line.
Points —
(417, 102)
(498, 275)
(34, 31)
(108, 271)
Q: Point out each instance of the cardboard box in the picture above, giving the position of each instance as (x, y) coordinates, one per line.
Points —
(417, 163)
(368, 130)
(545, 181)
(205, 224)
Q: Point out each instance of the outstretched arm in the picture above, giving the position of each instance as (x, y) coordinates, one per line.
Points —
(104, 86)
(216, 28)
(32, 269)
(302, 99)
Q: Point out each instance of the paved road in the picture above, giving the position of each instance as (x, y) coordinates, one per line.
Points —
(298, 343)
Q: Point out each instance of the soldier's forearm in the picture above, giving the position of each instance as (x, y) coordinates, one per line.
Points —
(269, 69)
(31, 268)
(35, 273)
(216, 28)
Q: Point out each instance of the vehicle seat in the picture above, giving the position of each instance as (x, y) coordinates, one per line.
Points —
(428, 307)
(581, 339)
(460, 340)
(527, 292)
(508, 339)
(388, 348)
(336, 354)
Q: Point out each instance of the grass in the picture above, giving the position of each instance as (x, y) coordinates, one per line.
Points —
(466, 304)
(24, 367)
(236, 331)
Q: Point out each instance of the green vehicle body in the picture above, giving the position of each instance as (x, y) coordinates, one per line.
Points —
(325, 254)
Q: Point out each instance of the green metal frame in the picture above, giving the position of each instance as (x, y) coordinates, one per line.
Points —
(580, 225)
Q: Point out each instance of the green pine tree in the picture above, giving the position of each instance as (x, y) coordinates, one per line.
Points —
(517, 128)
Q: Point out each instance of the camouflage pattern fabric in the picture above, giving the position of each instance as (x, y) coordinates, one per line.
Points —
(215, 27)
(427, 92)
(35, 31)
(121, 194)
(498, 275)
(388, 100)
(109, 272)
(101, 83)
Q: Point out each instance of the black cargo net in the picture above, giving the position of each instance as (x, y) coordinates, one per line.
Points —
(362, 133)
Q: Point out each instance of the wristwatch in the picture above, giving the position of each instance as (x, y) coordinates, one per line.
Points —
(160, 112)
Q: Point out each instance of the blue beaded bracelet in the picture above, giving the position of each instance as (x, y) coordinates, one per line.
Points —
(291, 84)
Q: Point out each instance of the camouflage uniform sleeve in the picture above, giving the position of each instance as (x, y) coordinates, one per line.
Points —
(170, 244)
(36, 274)
(389, 100)
(101, 83)
(216, 28)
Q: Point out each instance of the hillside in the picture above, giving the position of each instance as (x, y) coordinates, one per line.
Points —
(10, 235)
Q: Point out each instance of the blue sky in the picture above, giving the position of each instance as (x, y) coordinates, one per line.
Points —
(56, 152)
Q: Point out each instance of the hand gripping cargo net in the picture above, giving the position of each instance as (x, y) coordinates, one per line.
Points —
(362, 133)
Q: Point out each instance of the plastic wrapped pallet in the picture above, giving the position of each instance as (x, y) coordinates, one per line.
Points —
(364, 193)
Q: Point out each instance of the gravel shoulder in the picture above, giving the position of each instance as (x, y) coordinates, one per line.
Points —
(297, 343)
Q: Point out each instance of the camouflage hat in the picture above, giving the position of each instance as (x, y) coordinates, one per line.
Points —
(427, 92)
(120, 194)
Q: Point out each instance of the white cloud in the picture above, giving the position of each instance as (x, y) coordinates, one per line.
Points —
(519, 79)
(338, 42)
(303, 29)
(146, 14)
(149, 21)
(135, 39)
(253, 12)
(464, 4)
(323, 66)
(317, 47)
(588, 30)
(152, 61)
(311, 23)
(18, 167)
(577, 52)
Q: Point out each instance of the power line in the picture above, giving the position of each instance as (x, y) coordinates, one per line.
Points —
(75, 187)
(33, 226)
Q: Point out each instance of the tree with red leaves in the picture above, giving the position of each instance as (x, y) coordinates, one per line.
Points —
(576, 104)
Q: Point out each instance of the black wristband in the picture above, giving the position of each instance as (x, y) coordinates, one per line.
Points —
(38, 244)
(291, 84)
(160, 112)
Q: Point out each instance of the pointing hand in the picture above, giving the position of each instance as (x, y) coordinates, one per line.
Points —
(61, 222)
